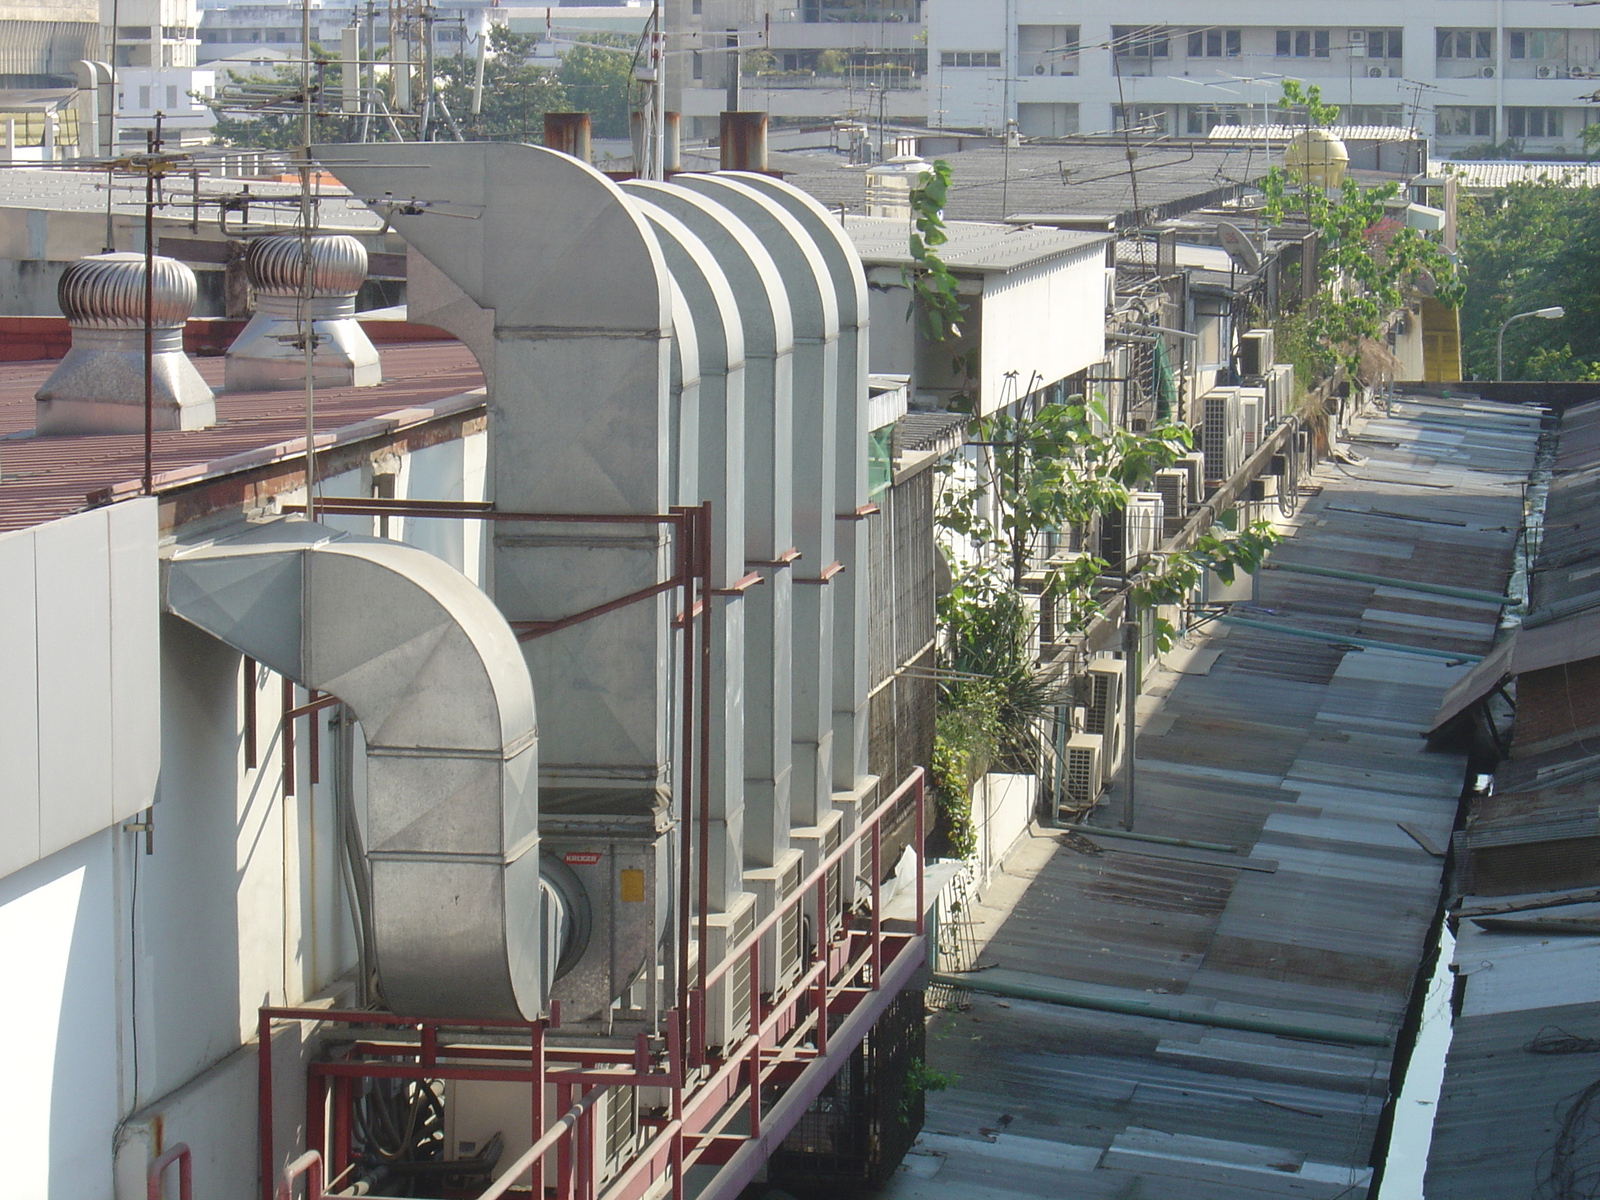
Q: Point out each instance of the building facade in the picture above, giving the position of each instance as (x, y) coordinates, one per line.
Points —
(803, 63)
(1466, 72)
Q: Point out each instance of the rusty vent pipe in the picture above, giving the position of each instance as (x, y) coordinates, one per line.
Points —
(568, 132)
(744, 141)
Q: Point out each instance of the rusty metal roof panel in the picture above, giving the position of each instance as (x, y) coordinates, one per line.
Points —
(42, 478)
(1304, 756)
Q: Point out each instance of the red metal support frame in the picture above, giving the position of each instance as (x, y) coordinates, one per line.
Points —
(178, 1153)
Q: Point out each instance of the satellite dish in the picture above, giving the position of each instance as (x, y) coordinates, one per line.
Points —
(1235, 242)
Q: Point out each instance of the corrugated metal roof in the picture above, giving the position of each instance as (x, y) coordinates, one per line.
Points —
(972, 245)
(1486, 176)
(991, 183)
(1307, 758)
(45, 478)
(1501, 1107)
(1282, 133)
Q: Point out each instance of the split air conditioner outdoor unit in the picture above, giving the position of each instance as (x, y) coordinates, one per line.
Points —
(1220, 439)
(1256, 352)
(1172, 483)
(1280, 394)
(1485, 72)
(1544, 72)
(1102, 711)
(1252, 421)
(1081, 771)
(1375, 72)
(1194, 463)
(1146, 516)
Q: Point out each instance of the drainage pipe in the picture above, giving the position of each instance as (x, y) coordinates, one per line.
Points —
(1405, 585)
(1158, 1012)
(1339, 639)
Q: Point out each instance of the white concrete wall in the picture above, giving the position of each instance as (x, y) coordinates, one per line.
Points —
(1002, 807)
(1043, 323)
(138, 976)
(79, 716)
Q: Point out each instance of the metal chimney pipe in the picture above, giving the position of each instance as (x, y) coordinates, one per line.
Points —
(671, 154)
(743, 141)
(569, 132)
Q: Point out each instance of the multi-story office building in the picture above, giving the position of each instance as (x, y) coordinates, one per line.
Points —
(802, 61)
(1467, 72)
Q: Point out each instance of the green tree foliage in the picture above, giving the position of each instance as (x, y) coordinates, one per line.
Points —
(1529, 246)
(516, 94)
(598, 78)
(1367, 263)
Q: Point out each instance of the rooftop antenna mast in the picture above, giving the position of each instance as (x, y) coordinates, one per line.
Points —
(306, 329)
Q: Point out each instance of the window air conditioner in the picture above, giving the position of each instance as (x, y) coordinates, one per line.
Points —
(1358, 37)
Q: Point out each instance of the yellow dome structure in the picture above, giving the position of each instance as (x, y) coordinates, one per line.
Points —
(1317, 156)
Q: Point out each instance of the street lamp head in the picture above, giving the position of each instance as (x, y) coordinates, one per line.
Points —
(1551, 314)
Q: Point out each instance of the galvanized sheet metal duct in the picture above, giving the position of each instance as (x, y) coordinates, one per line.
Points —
(769, 505)
(815, 312)
(850, 676)
(431, 669)
(721, 479)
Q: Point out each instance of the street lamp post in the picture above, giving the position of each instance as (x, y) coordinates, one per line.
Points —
(1553, 313)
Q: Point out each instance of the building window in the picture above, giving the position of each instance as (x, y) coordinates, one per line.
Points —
(1303, 43)
(1148, 119)
(135, 33)
(1389, 116)
(696, 9)
(1533, 122)
(1383, 43)
(1047, 49)
(1455, 120)
(172, 97)
(1047, 120)
(1214, 43)
(969, 58)
(1538, 43)
(1139, 41)
(1466, 43)
(698, 65)
(144, 97)
(1201, 119)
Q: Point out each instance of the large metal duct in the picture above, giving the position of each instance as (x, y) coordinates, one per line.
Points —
(579, 423)
(815, 311)
(267, 354)
(850, 669)
(99, 386)
(433, 673)
(720, 478)
(768, 506)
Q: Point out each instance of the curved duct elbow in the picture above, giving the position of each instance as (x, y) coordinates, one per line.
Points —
(99, 386)
(464, 926)
(267, 354)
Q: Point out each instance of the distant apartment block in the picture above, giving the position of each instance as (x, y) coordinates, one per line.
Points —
(1466, 72)
(804, 62)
